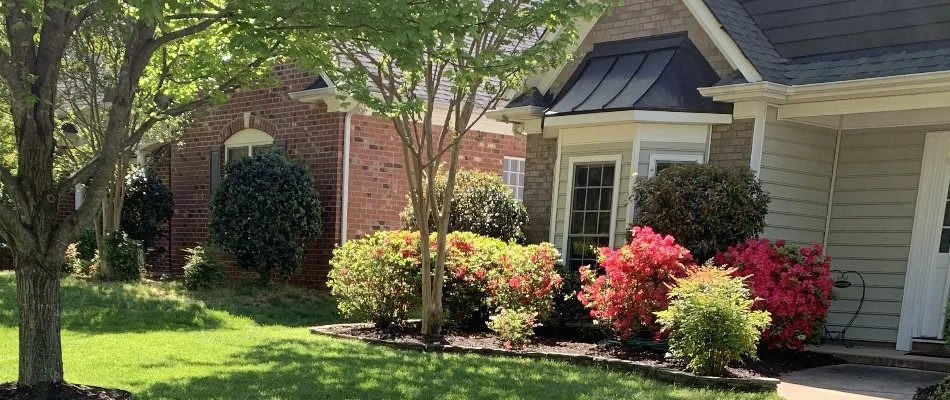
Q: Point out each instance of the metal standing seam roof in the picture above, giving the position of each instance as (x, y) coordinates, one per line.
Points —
(657, 73)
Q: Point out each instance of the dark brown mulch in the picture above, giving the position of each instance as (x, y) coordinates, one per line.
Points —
(770, 364)
(65, 391)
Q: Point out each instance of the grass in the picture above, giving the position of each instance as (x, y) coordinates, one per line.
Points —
(242, 343)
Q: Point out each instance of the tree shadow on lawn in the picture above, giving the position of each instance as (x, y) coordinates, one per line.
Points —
(336, 369)
(116, 308)
(275, 304)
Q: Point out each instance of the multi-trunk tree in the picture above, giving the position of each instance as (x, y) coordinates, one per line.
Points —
(434, 69)
(165, 59)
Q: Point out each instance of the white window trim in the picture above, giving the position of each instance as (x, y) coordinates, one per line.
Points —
(617, 159)
(523, 172)
(697, 158)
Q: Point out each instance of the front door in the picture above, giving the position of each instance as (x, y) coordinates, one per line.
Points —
(932, 229)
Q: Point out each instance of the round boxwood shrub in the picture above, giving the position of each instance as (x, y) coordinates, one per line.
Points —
(203, 268)
(263, 208)
(707, 208)
(482, 204)
(148, 204)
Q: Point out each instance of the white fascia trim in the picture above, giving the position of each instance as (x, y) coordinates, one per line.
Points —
(623, 117)
(515, 114)
(722, 40)
(929, 82)
(329, 95)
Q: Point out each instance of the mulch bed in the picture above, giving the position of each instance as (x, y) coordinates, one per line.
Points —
(771, 364)
(65, 391)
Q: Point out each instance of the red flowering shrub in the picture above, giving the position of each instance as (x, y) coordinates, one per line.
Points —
(792, 283)
(525, 278)
(634, 282)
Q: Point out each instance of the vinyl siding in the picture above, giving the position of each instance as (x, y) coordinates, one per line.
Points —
(623, 148)
(797, 163)
(871, 222)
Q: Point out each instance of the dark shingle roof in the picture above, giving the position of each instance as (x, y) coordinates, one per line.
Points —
(817, 41)
(531, 98)
(655, 73)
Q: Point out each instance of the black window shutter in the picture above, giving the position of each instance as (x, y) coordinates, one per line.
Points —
(215, 159)
(281, 146)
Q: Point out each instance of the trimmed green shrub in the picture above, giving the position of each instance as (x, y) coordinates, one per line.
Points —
(86, 244)
(263, 208)
(482, 204)
(513, 327)
(568, 310)
(125, 256)
(710, 320)
(376, 278)
(203, 268)
(707, 208)
(148, 204)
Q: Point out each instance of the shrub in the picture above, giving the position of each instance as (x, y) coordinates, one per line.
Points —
(706, 208)
(567, 309)
(376, 278)
(525, 278)
(148, 204)
(264, 206)
(481, 203)
(124, 255)
(633, 282)
(86, 244)
(794, 285)
(203, 268)
(70, 260)
(513, 327)
(710, 320)
(469, 259)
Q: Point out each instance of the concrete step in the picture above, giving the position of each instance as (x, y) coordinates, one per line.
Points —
(884, 357)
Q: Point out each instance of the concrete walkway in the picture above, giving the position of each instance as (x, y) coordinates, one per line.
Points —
(855, 382)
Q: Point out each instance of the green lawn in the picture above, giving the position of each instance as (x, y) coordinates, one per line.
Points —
(162, 343)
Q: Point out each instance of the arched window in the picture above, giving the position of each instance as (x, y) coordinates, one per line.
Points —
(246, 143)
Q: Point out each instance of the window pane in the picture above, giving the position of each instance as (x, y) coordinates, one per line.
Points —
(577, 222)
(261, 149)
(606, 199)
(945, 240)
(590, 222)
(236, 153)
(580, 176)
(946, 215)
(603, 225)
(593, 176)
(580, 199)
(593, 199)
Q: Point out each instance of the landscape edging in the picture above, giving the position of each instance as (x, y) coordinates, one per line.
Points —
(660, 373)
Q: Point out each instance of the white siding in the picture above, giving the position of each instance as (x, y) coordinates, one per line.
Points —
(797, 163)
(872, 219)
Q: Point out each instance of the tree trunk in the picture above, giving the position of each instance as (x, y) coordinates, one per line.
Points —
(41, 356)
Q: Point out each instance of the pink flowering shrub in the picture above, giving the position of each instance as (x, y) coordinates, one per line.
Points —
(792, 283)
(634, 282)
(376, 278)
(513, 327)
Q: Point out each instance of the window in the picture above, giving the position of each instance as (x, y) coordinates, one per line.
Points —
(659, 162)
(247, 143)
(513, 175)
(592, 200)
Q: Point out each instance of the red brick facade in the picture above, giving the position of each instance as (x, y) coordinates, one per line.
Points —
(314, 137)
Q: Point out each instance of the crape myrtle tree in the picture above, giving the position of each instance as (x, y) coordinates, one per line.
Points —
(433, 69)
(171, 57)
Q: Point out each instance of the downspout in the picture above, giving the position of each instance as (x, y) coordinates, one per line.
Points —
(831, 191)
(345, 198)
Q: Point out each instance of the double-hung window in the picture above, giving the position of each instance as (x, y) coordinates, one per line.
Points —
(513, 175)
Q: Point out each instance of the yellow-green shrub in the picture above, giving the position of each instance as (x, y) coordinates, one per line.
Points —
(710, 320)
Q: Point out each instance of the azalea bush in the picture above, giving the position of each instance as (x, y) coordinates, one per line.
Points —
(794, 285)
(706, 207)
(376, 278)
(513, 327)
(710, 320)
(632, 282)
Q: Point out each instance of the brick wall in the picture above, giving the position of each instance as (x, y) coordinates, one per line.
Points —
(539, 181)
(642, 18)
(378, 181)
(731, 145)
(313, 137)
